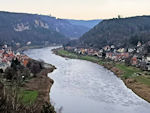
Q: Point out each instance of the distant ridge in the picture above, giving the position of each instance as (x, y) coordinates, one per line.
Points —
(38, 29)
(20, 28)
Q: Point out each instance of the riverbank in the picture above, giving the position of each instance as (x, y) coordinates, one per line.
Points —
(30, 94)
(135, 79)
(25, 48)
(42, 84)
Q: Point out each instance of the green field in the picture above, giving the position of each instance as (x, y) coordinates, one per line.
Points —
(27, 97)
(143, 79)
(75, 56)
(128, 71)
(67, 54)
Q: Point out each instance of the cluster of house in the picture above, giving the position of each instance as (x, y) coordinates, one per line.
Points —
(7, 55)
(132, 55)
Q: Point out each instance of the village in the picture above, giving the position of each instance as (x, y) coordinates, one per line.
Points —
(137, 56)
(7, 55)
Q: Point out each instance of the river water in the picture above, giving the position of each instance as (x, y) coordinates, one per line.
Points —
(84, 87)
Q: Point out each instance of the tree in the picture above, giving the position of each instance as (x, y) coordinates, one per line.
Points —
(48, 108)
(10, 73)
(119, 16)
(15, 64)
(1, 71)
(103, 55)
(34, 66)
(128, 61)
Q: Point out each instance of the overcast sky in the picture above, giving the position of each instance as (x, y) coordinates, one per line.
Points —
(79, 9)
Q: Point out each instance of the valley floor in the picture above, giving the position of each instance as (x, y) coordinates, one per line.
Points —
(134, 78)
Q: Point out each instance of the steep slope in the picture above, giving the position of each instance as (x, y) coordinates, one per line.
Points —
(63, 26)
(22, 28)
(120, 32)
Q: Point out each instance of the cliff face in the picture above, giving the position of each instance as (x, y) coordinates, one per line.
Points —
(17, 29)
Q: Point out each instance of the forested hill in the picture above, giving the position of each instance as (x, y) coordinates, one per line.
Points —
(119, 32)
(65, 27)
(20, 28)
(70, 28)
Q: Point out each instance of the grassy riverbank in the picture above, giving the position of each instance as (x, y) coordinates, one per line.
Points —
(134, 78)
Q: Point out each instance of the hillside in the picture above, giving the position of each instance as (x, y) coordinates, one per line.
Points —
(64, 27)
(120, 32)
(19, 28)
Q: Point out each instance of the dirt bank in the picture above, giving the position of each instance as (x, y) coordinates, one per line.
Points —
(138, 88)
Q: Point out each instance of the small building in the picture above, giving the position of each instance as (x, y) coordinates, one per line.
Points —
(130, 50)
(139, 44)
(121, 50)
(134, 60)
(107, 48)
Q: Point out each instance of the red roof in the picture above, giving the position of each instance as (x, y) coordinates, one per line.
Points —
(134, 59)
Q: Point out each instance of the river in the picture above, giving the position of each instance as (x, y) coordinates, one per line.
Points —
(84, 87)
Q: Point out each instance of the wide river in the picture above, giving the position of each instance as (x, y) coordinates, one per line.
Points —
(84, 87)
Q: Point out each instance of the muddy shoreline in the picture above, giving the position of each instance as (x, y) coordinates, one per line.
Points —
(139, 89)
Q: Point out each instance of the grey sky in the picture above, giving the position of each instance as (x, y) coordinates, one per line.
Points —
(79, 9)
